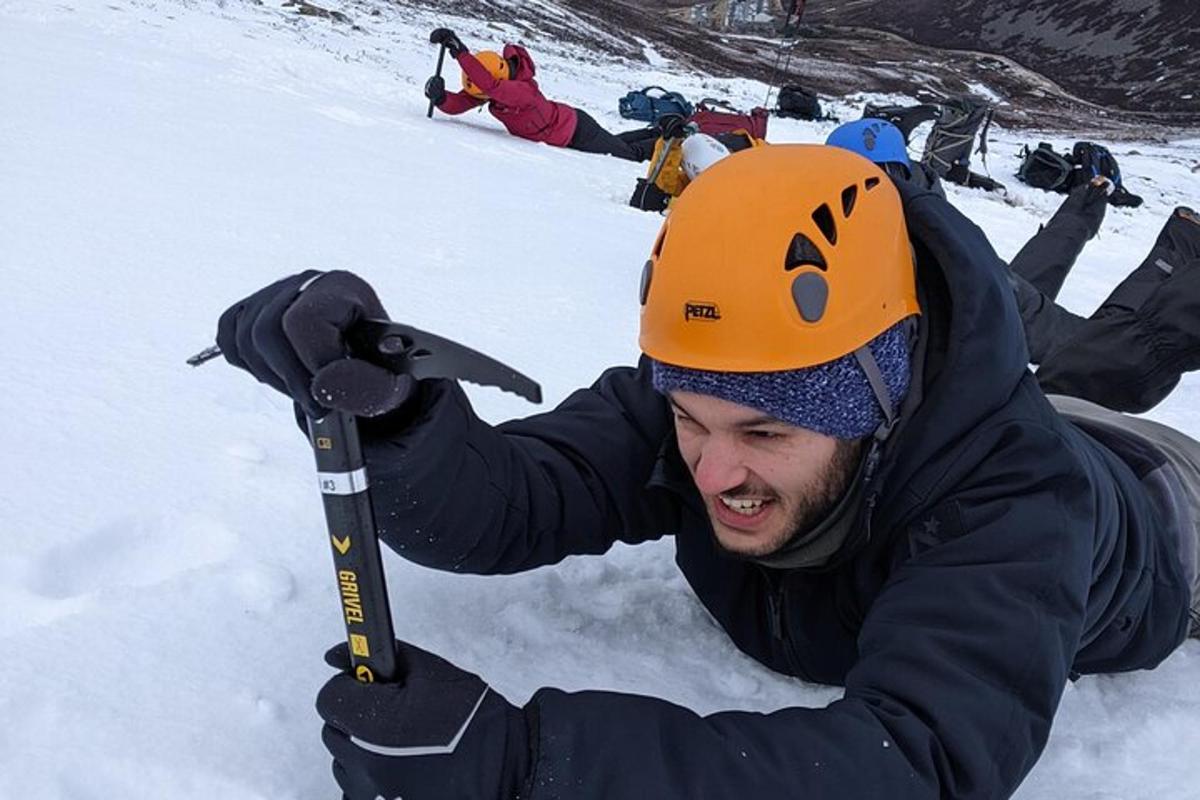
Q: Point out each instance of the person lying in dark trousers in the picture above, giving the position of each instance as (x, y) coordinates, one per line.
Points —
(505, 82)
(863, 483)
(1131, 352)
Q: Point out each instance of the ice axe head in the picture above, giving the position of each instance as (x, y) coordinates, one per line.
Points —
(406, 350)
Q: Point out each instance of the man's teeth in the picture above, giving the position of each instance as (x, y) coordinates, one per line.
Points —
(746, 507)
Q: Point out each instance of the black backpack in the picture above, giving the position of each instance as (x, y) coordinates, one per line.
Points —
(796, 102)
(1045, 169)
(948, 148)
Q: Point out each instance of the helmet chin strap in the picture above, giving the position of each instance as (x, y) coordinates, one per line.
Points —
(870, 367)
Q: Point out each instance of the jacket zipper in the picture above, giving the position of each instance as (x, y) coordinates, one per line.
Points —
(776, 604)
(851, 614)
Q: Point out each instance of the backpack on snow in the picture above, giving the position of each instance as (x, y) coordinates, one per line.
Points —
(1045, 169)
(948, 147)
(714, 118)
(645, 107)
(796, 102)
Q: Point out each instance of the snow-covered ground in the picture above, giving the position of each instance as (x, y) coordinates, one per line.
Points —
(165, 586)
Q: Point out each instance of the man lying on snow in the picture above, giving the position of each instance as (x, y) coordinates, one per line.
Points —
(864, 482)
(505, 82)
(1131, 352)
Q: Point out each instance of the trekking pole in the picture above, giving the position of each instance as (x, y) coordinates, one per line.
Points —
(437, 74)
(345, 487)
(782, 46)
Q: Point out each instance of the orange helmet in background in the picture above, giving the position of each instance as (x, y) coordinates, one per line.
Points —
(778, 258)
(494, 63)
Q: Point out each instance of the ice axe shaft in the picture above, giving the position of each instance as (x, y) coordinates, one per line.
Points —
(437, 73)
(346, 489)
(354, 541)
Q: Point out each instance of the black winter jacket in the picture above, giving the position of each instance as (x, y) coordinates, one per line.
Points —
(999, 550)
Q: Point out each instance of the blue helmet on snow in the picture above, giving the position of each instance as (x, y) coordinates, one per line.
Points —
(874, 139)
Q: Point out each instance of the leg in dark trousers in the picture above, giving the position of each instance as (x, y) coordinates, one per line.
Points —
(591, 138)
(1047, 324)
(1130, 354)
(1046, 259)
(639, 136)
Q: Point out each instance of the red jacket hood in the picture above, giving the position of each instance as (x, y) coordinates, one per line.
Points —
(525, 65)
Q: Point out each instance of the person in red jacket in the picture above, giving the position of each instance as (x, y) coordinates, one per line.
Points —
(505, 82)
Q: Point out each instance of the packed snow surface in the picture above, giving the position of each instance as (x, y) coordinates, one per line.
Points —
(165, 582)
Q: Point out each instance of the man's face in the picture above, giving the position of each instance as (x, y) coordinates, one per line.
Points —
(763, 480)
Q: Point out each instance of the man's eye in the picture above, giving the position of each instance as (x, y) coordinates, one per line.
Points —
(764, 434)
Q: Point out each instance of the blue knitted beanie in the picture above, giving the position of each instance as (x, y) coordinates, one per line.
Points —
(834, 398)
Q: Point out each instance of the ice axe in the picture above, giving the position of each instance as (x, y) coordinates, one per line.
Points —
(346, 491)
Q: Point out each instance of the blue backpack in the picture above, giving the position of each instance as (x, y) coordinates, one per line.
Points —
(642, 106)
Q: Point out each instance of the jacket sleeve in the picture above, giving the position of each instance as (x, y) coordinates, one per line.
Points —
(963, 659)
(450, 491)
(458, 103)
(510, 93)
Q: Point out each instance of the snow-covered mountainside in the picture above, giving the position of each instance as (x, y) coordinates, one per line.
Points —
(165, 584)
(1138, 55)
(1098, 63)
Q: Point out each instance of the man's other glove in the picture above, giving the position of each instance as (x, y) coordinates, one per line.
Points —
(435, 89)
(441, 733)
(1088, 202)
(448, 39)
(292, 334)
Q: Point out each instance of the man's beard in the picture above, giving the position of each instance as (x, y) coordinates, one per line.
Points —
(813, 505)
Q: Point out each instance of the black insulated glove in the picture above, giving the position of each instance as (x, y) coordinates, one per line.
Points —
(443, 733)
(1089, 201)
(448, 39)
(292, 335)
(435, 89)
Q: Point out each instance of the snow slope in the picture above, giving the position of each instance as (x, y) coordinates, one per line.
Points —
(165, 588)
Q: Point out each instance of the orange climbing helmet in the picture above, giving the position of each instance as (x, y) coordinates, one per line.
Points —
(778, 258)
(494, 63)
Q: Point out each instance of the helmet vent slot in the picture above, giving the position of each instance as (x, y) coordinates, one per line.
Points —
(849, 197)
(872, 183)
(824, 219)
(802, 252)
